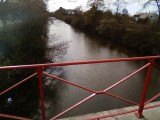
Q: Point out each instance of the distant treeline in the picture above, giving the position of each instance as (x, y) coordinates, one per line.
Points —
(120, 28)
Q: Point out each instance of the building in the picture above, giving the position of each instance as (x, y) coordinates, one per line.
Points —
(142, 16)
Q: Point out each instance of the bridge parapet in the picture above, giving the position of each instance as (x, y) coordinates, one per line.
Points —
(39, 68)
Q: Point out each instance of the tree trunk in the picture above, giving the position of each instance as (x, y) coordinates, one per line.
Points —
(117, 10)
(158, 6)
(159, 13)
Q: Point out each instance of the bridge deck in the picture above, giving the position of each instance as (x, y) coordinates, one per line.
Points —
(149, 114)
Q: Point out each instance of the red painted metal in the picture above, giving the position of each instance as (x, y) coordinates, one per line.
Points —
(40, 73)
(78, 63)
(14, 86)
(98, 92)
(95, 92)
(65, 81)
(141, 106)
(124, 79)
(121, 98)
(153, 98)
(74, 106)
(13, 117)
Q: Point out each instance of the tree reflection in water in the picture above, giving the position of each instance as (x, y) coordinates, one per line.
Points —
(23, 40)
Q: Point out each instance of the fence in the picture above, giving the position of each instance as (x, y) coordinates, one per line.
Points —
(40, 72)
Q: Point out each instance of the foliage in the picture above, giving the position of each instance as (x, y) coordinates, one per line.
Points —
(22, 41)
(99, 4)
(119, 28)
(21, 10)
(111, 29)
(78, 10)
(119, 4)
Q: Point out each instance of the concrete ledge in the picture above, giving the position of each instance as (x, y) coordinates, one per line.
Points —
(149, 114)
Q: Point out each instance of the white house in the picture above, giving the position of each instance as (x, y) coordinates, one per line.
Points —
(141, 16)
(70, 12)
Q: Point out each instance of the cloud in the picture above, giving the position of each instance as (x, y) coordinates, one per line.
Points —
(133, 6)
(72, 0)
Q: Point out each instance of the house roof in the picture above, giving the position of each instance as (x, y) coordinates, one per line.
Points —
(145, 15)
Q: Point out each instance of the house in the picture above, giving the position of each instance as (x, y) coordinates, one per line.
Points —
(142, 16)
(70, 12)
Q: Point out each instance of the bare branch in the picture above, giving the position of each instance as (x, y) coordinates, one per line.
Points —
(147, 3)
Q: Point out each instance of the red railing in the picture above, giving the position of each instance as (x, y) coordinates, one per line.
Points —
(39, 72)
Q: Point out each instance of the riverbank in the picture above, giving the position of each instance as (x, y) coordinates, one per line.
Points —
(23, 40)
(84, 47)
(122, 29)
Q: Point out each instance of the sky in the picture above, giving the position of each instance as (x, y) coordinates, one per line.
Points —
(133, 6)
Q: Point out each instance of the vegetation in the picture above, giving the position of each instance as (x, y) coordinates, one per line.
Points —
(22, 41)
(120, 28)
(119, 4)
(96, 3)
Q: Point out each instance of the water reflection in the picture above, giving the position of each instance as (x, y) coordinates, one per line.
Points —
(98, 76)
(63, 39)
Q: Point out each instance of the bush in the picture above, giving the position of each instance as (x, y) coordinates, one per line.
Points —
(111, 29)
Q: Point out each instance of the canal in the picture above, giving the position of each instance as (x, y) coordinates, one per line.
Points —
(80, 47)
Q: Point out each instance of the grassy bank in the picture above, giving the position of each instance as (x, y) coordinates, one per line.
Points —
(122, 29)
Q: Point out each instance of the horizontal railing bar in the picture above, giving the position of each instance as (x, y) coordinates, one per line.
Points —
(79, 62)
(121, 98)
(19, 83)
(84, 88)
(13, 117)
(121, 113)
(63, 80)
(126, 78)
(153, 98)
(74, 106)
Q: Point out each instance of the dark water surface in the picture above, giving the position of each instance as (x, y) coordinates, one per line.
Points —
(65, 44)
(96, 76)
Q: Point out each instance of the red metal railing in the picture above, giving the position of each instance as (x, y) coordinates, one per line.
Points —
(39, 68)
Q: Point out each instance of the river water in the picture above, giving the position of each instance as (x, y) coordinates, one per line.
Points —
(97, 77)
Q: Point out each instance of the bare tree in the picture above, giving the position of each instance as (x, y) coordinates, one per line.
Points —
(78, 10)
(99, 4)
(119, 4)
(155, 3)
(125, 11)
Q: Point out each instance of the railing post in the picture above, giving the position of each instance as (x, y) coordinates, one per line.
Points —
(148, 76)
(39, 73)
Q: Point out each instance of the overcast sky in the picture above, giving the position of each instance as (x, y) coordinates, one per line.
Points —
(133, 6)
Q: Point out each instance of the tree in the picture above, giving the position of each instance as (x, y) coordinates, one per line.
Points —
(99, 4)
(78, 10)
(125, 11)
(119, 4)
(13, 10)
(155, 3)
